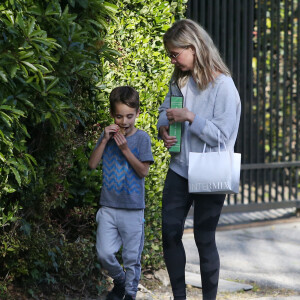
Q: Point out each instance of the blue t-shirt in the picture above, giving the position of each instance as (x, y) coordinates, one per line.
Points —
(121, 186)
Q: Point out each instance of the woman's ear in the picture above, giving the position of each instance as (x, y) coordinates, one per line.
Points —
(193, 49)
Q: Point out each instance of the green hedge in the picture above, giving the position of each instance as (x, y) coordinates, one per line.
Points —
(59, 59)
(145, 66)
(51, 57)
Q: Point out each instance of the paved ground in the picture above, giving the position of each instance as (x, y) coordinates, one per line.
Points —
(239, 219)
(259, 250)
(267, 256)
(260, 255)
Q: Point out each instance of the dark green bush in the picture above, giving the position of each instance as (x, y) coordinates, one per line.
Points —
(57, 67)
(51, 57)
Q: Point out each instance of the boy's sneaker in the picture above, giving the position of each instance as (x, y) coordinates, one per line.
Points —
(128, 297)
(117, 293)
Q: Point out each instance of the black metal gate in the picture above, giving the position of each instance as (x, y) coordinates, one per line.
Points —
(260, 42)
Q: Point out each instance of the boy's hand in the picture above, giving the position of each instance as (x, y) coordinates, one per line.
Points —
(120, 140)
(110, 130)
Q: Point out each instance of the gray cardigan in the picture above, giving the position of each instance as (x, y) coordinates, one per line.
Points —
(218, 107)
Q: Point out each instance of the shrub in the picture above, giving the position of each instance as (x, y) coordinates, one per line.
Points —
(51, 58)
(144, 65)
(57, 67)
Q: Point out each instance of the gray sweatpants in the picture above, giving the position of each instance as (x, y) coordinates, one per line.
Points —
(116, 228)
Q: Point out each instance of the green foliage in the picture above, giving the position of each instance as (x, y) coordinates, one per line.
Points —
(51, 57)
(59, 59)
(145, 66)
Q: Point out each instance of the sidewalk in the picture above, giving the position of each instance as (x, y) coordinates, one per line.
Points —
(259, 254)
(258, 248)
(237, 220)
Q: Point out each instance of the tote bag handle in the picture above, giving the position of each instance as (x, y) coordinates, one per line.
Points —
(219, 143)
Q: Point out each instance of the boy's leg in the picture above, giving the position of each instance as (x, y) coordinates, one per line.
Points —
(108, 243)
(131, 227)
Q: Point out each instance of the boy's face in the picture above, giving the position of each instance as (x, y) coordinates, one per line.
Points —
(125, 117)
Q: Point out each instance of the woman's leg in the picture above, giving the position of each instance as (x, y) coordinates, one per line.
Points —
(207, 210)
(175, 207)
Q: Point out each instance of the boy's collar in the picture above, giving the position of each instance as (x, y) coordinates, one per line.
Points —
(134, 130)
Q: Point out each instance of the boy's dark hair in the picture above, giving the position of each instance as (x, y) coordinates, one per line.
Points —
(126, 95)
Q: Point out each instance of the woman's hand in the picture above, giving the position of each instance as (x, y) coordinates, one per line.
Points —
(180, 115)
(169, 141)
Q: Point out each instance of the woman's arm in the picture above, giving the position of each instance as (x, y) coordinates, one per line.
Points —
(162, 119)
(226, 116)
(163, 123)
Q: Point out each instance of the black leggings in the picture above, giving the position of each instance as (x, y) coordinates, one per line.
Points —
(207, 209)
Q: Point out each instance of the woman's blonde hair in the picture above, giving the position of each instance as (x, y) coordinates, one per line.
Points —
(187, 33)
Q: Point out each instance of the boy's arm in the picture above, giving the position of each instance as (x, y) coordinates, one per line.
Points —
(141, 168)
(98, 152)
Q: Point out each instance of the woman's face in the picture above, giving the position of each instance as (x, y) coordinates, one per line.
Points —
(182, 58)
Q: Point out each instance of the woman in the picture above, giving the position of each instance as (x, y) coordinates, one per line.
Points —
(211, 103)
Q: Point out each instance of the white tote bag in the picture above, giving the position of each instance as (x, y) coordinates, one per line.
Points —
(214, 172)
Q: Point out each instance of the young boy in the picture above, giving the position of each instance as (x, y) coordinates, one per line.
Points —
(126, 155)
